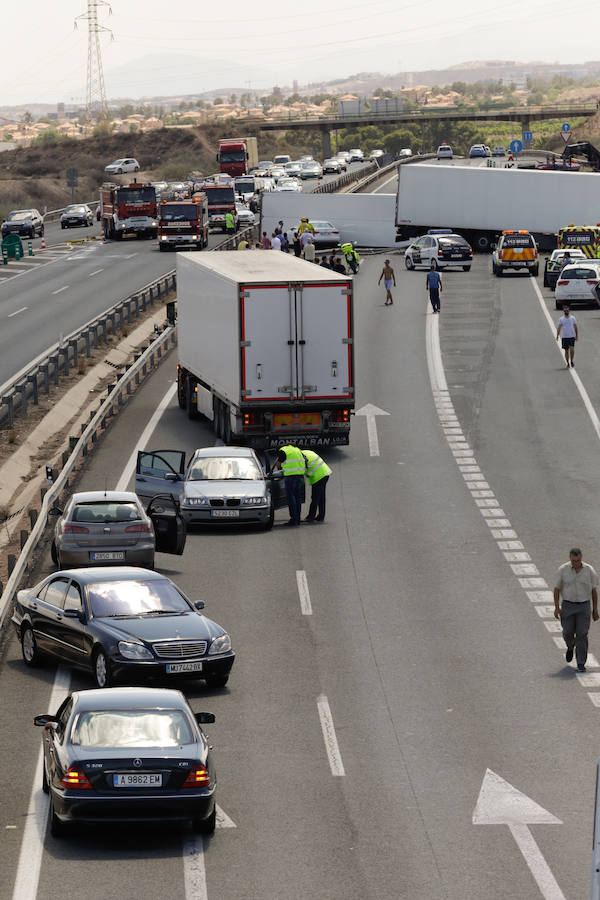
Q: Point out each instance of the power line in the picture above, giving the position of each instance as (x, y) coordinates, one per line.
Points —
(95, 90)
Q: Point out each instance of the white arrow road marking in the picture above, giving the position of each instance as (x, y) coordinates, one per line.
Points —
(223, 820)
(499, 803)
(370, 411)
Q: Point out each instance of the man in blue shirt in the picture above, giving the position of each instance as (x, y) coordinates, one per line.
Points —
(433, 284)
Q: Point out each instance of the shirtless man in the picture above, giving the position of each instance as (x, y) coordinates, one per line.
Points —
(389, 278)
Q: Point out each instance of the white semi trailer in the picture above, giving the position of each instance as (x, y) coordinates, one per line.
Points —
(481, 202)
(266, 348)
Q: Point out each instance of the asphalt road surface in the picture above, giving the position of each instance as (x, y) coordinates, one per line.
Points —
(357, 733)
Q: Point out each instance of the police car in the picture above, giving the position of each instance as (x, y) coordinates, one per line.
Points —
(439, 248)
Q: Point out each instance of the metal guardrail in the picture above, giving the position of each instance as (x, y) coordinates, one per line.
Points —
(80, 448)
(26, 385)
(401, 161)
(332, 187)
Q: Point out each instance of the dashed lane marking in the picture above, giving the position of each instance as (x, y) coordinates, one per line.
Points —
(303, 592)
(16, 312)
(331, 743)
(507, 539)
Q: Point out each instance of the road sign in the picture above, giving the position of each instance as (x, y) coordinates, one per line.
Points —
(565, 135)
(527, 137)
(516, 146)
(565, 126)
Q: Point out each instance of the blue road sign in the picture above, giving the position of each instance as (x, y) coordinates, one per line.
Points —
(516, 146)
(527, 137)
(565, 126)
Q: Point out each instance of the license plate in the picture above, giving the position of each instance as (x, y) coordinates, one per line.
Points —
(225, 513)
(115, 555)
(139, 779)
(456, 255)
(287, 420)
(174, 668)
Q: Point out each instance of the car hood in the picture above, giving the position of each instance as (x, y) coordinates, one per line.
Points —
(215, 489)
(189, 626)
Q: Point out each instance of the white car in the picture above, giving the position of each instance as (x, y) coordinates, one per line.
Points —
(406, 151)
(375, 154)
(120, 166)
(325, 234)
(277, 172)
(289, 184)
(244, 215)
(343, 162)
(578, 284)
(356, 155)
(444, 151)
(439, 248)
(556, 263)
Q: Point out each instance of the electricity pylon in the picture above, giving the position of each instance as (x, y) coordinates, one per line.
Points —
(95, 91)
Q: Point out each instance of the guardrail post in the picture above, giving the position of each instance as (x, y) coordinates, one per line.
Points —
(32, 379)
(8, 401)
(102, 324)
(88, 349)
(136, 307)
(23, 537)
(72, 441)
(44, 369)
(151, 295)
(54, 359)
(11, 562)
(33, 516)
(65, 353)
(74, 344)
(22, 390)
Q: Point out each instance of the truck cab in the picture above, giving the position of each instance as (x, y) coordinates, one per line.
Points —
(183, 223)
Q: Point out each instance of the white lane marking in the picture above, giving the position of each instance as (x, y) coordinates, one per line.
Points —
(194, 869)
(95, 273)
(60, 290)
(331, 745)
(506, 537)
(387, 181)
(129, 469)
(578, 383)
(303, 593)
(32, 844)
(370, 411)
(16, 312)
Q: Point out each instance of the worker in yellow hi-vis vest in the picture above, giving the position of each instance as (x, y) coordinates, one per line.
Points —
(317, 472)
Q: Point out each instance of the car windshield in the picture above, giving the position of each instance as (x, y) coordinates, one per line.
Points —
(323, 226)
(453, 242)
(179, 212)
(19, 216)
(105, 511)
(225, 468)
(136, 195)
(245, 185)
(517, 240)
(135, 598)
(578, 273)
(230, 156)
(104, 728)
(220, 194)
(75, 209)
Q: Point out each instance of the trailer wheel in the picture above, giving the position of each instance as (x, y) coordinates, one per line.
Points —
(483, 243)
(192, 407)
(226, 425)
(181, 391)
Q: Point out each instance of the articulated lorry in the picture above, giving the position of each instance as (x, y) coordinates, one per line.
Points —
(238, 156)
(127, 209)
(221, 200)
(480, 203)
(183, 223)
(266, 348)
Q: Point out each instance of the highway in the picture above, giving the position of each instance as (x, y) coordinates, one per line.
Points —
(428, 640)
(39, 303)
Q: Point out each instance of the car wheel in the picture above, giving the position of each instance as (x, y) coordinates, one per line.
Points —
(433, 263)
(534, 271)
(62, 226)
(206, 826)
(136, 168)
(29, 648)
(409, 263)
(499, 272)
(57, 828)
(102, 674)
(53, 553)
(557, 304)
(42, 231)
(545, 282)
(270, 521)
(45, 785)
(216, 681)
(466, 268)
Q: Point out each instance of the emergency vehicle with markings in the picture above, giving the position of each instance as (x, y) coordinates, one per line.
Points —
(517, 250)
(583, 237)
(127, 209)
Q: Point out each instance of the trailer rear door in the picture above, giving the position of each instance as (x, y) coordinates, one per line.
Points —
(324, 336)
(268, 353)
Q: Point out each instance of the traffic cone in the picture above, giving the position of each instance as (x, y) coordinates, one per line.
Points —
(43, 244)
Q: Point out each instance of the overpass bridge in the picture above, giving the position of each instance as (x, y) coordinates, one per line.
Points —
(524, 115)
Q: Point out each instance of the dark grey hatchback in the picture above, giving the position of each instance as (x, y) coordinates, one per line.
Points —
(121, 623)
(127, 755)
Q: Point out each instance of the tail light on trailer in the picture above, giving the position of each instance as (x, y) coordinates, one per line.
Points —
(252, 420)
(341, 416)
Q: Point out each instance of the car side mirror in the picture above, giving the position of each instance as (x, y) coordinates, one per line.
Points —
(204, 718)
(199, 604)
(74, 614)
(55, 511)
(45, 720)
(171, 476)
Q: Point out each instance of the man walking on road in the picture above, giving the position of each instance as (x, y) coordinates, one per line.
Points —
(567, 325)
(389, 277)
(317, 472)
(433, 284)
(578, 583)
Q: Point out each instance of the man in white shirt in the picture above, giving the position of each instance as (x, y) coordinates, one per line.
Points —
(567, 326)
(577, 582)
(275, 242)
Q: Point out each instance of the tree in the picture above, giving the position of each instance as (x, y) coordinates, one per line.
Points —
(27, 117)
(233, 98)
(217, 101)
(245, 100)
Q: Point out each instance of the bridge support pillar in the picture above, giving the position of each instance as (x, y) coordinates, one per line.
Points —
(525, 123)
(326, 141)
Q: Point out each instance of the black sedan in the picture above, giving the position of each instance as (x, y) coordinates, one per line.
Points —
(121, 623)
(77, 214)
(127, 755)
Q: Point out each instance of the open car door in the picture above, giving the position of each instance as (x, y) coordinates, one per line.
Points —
(169, 526)
(159, 471)
(275, 481)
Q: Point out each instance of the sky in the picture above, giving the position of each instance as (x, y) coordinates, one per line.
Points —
(199, 48)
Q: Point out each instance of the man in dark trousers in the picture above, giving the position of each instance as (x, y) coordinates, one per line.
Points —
(433, 284)
(577, 585)
(317, 472)
(293, 465)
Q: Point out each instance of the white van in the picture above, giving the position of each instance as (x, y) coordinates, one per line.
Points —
(282, 159)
